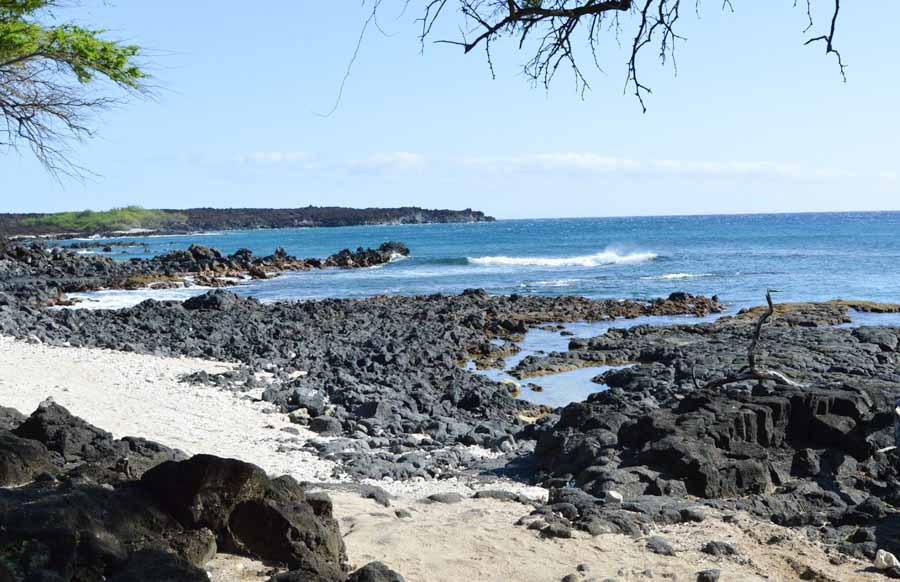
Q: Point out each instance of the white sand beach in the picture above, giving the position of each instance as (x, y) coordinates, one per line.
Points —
(475, 540)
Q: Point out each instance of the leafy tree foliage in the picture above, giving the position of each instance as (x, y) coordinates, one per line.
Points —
(54, 77)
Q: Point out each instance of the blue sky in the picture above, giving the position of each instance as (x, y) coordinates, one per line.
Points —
(753, 121)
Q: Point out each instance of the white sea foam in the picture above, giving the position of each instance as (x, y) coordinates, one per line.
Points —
(141, 233)
(552, 283)
(606, 257)
(397, 257)
(120, 299)
(670, 276)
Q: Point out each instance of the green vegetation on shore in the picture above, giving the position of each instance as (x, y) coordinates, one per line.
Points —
(91, 222)
(129, 217)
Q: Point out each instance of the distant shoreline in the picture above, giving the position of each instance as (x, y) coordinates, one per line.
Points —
(137, 221)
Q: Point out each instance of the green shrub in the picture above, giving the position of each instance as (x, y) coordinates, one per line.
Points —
(129, 217)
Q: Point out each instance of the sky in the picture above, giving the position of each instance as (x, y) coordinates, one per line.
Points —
(753, 121)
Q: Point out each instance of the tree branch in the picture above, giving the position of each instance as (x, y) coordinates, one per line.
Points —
(755, 372)
(828, 39)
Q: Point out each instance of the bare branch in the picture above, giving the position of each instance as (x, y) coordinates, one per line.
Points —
(553, 30)
(828, 39)
(755, 372)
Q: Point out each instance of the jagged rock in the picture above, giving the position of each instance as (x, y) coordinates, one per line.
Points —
(78, 443)
(71, 437)
(310, 399)
(21, 460)
(204, 490)
(215, 300)
(249, 513)
(10, 418)
(286, 527)
(82, 529)
(162, 527)
(326, 426)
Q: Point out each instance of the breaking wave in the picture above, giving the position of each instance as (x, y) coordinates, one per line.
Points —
(607, 257)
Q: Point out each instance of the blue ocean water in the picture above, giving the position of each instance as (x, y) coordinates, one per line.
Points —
(737, 257)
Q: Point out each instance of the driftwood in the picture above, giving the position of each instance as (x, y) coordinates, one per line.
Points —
(755, 371)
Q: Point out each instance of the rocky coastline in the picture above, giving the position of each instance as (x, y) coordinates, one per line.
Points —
(383, 382)
(77, 504)
(42, 274)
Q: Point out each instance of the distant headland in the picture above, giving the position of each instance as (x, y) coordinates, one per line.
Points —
(134, 219)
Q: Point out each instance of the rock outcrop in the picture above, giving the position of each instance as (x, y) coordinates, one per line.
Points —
(41, 275)
(68, 520)
(655, 447)
(377, 370)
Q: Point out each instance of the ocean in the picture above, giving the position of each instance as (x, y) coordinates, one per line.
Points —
(737, 257)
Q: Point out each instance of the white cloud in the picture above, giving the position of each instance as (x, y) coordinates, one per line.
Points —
(389, 161)
(275, 157)
(564, 163)
(552, 162)
(596, 163)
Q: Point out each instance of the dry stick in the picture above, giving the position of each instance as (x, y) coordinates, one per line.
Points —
(755, 372)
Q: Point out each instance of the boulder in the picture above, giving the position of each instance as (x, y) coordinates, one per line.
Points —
(74, 439)
(215, 300)
(311, 399)
(285, 526)
(203, 491)
(326, 426)
(711, 575)
(718, 549)
(660, 546)
(94, 451)
(250, 514)
(10, 418)
(158, 566)
(21, 460)
(85, 532)
(375, 572)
